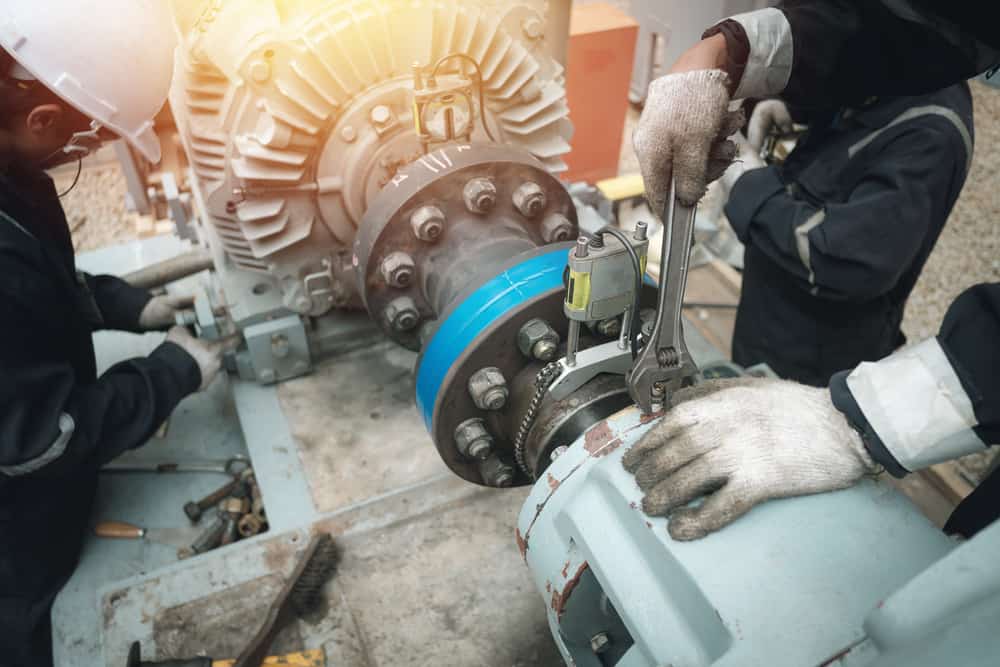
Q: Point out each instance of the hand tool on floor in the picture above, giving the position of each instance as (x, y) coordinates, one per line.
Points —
(195, 508)
(300, 595)
(313, 658)
(664, 364)
(232, 466)
(175, 537)
(210, 538)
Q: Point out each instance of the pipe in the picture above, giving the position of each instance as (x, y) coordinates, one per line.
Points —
(170, 270)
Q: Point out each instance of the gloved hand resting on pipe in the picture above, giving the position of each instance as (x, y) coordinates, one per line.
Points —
(743, 442)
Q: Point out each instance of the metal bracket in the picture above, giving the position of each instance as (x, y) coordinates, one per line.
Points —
(606, 358)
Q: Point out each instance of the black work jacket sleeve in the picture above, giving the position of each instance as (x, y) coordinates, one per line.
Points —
(934, 401)
(52, 422)
(120, 303)
(854, 249)
(831, 53)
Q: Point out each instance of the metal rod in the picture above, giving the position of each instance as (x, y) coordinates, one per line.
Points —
(572, 342)
(623, 339)
(170, 270)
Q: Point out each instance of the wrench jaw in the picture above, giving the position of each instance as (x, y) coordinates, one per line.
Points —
(651, 385)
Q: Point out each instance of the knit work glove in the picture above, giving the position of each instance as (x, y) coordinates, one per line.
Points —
(682, 133)
(743, 441)
(768, 116)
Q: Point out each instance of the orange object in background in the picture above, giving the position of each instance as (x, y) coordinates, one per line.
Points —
(598, 68)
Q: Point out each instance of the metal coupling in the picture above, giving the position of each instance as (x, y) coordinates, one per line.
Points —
(495, 472)
(473, 440)
(480, 195)
(401, 314)
(530, 199)
(398, 269)
(557, 227)
(488, 388)
(538, 340)
(427, 223)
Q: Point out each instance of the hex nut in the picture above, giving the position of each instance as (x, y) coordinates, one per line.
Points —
(532, 28)
(480, 195)
(427, 223)
(600, 642)
(473, 440)
(488, 388)
(557, 227)
(495, 472)
(381, 114)
(530, 199)
(401, 314)
(398, 269)
(280, 347)
(611, 327)
(538, 340)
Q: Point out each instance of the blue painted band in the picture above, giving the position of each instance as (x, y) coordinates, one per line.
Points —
(523, 282)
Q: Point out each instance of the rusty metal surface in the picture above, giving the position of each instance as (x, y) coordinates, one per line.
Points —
(430, 576)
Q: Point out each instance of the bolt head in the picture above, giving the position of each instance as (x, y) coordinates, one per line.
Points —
(260, 71)
(398, 269)
(532, 28)
(611, 327)
(495, 472)
(401, 314)
(348, 134)
(536, 339)
(480, 195)
(556, 228)
(266, 375)
(473, 440)
(381, 114)
(600, 642)
(488, 388)
(530, 199)
(427, 223)
(280, 346)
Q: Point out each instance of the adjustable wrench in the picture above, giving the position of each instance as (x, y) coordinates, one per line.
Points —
(664, 365)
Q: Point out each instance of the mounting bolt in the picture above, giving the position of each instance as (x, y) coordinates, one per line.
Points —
(488, 388)
(495, 472)
(473, 440)
(556, 228)
(265, 376)
(398, 269)
(381, 115)
(260, 71)
(303, 304)
(532, 28)
(279, 346)
(611, 327)
(427, 223)
(600, 642)
(530, 199)
(348, 134)
(538, 340)
(480, 195)
(402, 314)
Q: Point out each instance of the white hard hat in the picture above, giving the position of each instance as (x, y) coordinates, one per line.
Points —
(110, 59)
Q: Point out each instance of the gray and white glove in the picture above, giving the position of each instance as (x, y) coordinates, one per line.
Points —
(743, 441)
(160, 311)
(768, 116)
(747, 159)
(682, 134)
(206, 353)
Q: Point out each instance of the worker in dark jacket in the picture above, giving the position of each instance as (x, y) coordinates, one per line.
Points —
(837, 235)
(63, 90)
(746, 442)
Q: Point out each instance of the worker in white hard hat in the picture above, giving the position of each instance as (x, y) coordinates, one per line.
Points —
(72, 75)
(747, 441)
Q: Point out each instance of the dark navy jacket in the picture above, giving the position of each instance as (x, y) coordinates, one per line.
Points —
(837, 236)
(59, 422)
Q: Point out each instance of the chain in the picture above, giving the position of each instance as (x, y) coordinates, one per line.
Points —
(543, 381)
